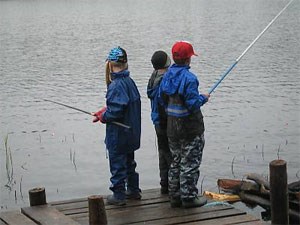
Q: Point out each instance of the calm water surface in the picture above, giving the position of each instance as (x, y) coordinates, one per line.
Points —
(56, 50)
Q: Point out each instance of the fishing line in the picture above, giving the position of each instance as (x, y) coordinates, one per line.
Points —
(246, 50)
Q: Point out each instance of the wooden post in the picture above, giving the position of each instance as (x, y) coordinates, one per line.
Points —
(279, 192)
(37, 196)
(97, 213)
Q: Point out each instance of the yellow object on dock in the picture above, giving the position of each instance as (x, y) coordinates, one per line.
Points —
(222, 197)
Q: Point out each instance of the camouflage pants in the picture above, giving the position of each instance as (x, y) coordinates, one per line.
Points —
(184, 171)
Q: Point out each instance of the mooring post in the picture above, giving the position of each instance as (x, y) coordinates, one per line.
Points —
(97, 213)
(37, 196)
(279, 192)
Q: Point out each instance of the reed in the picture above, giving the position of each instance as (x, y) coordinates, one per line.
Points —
(201, 191)
(20, 187)
(232, 172)
(278, 151)
(8, 163)
(72, 159)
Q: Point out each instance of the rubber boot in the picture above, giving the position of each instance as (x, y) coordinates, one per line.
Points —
(112, 200)
(175, 202)
(194, 202)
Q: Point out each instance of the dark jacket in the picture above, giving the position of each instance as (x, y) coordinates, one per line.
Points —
(180, 96)
(123, 105)
(158, 115)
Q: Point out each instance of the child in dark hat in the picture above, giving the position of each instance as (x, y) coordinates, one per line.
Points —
(160, 62)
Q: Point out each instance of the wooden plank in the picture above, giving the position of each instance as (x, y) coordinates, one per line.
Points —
(83, 207)
(146, 194)
(240, 219)
(181, 219)
(82, 202)
(254, 223)
(45, 215)
(151, 213)
(16, 218)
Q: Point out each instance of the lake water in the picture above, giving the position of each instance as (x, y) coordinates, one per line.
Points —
(56, 49)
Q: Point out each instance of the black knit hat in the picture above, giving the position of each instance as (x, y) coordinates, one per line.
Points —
(160, 60)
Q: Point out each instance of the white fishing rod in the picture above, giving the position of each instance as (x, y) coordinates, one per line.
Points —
(246, 50)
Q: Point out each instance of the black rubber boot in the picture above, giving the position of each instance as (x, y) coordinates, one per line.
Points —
(194, 202)
(175, 202)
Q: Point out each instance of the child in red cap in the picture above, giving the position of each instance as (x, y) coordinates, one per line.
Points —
(185, 127)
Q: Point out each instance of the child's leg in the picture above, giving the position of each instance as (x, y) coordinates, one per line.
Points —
(190, 163)
(132, 175)
(117, 164)
(164, 157)
(174, 171)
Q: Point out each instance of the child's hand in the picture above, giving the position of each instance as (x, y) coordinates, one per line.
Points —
(99, 115)
(206, 95)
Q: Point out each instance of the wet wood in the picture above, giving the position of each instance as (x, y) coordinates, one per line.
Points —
(37, 196)
(235, 186)
(279, 192)
(294, 186)
(254, 200)
(97, 213)
(190, 217)
(153, 209)
(46, 215)
(15, 218)
(259, 180)
(239, 219)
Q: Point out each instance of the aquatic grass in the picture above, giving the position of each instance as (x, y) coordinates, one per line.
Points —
(20, 188)
(232, 172)
(278, 151)
(9, 163)
(72, 158)
(262, 152)
(201, 191)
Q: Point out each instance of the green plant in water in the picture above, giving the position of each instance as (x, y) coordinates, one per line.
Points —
(9, 163)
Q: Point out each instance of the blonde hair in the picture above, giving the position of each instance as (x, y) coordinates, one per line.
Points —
(110, 66)
(108, 71)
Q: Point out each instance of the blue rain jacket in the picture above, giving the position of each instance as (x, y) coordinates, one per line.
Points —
(123, 105)
(152, 93)
(179, 95)
(179, 80)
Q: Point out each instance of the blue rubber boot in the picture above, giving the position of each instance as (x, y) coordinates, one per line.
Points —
(112, 200)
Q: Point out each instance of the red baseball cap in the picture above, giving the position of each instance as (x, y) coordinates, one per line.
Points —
(182, 50)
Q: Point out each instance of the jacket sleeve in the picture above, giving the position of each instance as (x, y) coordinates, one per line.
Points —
(116, 102)
(193, 100)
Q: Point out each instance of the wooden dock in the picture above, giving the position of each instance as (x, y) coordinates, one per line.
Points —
(152, 209)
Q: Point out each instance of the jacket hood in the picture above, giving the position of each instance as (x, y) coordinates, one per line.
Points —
(153, 84)
(123, 73)
(173, 78)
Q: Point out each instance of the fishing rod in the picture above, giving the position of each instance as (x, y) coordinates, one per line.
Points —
(86, 112)
(246, 50)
